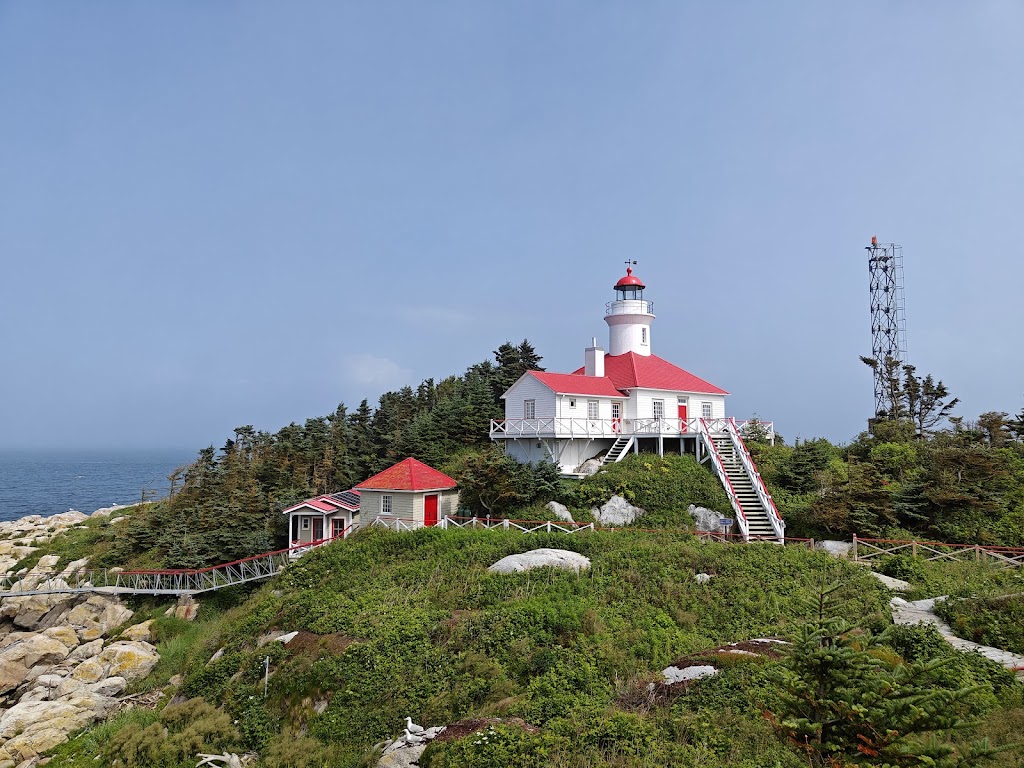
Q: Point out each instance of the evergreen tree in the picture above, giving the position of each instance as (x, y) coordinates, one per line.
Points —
(844, 703)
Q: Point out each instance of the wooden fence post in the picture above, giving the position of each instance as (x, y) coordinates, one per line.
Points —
(913, 548)
(854, 550)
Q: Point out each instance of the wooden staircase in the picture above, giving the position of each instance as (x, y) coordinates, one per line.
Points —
(618, 450)
(758, 521)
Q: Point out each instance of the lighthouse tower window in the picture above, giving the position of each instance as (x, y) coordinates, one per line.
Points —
(643, 335)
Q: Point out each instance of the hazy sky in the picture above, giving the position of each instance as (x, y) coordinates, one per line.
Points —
(226, 213)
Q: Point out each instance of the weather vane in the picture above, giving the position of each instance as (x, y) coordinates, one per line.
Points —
(628, 262)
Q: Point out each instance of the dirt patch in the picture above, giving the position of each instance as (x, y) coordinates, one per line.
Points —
(768, 648)
(467, 727)
(309, 644)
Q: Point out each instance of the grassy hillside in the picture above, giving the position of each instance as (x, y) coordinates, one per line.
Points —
(413, 624)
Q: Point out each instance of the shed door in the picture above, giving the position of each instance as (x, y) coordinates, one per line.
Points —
(318, 528)
(430, 509)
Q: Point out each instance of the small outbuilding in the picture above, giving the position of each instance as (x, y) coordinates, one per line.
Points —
(410, 494)
(330, 516)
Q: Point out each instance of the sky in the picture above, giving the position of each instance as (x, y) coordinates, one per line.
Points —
(224, 213)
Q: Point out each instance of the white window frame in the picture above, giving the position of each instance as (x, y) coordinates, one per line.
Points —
(304, 522)
(336, 523)
(643, 335)
(616, 409)
(529, 409)
(593, 409)
(387, 503)
(658, 407)
(706, 410)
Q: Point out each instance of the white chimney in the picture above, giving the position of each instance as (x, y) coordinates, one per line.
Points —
(594, 365)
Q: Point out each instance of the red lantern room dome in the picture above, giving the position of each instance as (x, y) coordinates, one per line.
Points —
(630, 281)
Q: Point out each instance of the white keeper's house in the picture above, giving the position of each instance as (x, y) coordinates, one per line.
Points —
(629, 399)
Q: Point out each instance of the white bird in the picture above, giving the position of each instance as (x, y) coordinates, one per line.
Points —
(411, 727)
(414, 739)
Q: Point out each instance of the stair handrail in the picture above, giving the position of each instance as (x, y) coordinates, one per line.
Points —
(767, 502)
(723, 476)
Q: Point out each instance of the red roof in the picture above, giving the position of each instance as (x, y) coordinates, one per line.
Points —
(408, 475)
(630, 280)
(631, 370)
(570, 384)
(330, 502)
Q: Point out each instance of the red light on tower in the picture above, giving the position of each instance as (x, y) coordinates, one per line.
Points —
(874, 240)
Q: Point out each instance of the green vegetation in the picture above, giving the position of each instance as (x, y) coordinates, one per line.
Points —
(413, 624)
(997, 621)
(663, 486)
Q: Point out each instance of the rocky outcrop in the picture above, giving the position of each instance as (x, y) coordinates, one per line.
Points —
(57, 673)
(541, 558)
(560, 511)
(616, 511)
(705, 519)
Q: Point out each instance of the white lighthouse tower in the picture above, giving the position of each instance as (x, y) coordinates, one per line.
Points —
(629, 318)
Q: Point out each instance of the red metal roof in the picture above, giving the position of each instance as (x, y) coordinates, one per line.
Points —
(408, 475)
(326, 503)
(630, 280)
(571, 384)
(631, 370)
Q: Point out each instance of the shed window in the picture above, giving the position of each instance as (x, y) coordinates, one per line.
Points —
(305, 523)
(659, 409)
(529, 409)
(386, 505)
(593, 409)
(705, 410)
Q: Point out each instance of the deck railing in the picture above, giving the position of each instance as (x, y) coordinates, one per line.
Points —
(579, 427)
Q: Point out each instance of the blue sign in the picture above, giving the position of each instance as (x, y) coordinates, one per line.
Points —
(725, 522)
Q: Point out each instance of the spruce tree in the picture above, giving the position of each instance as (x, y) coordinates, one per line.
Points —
(845, 703)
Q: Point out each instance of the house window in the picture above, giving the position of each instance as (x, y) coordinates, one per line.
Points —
(616, 410)
(572, 403)
(592, 409)
(643, 335)
(337, 527)
(705, 410)
(386, 504)
(529, 409)
(305, 523)
(659, 409)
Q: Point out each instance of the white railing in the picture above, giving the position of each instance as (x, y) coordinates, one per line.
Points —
(778, 524)
(526, 526)
(298, 548)
(576, 427)
(723, 476)
(629, 307)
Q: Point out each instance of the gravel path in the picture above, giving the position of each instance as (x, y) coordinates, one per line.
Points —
(923, 612)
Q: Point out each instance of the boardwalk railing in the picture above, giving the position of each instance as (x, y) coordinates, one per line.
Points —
(866, 550)
(159, 582)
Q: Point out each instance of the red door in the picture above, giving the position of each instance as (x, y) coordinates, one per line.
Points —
(430, 509)
(682, 417)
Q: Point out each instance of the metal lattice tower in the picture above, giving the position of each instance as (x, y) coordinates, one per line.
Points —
(888, 324)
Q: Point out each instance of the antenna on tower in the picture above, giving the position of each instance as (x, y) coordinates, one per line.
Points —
(888, 323)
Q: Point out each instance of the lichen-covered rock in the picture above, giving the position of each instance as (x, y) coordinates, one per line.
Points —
(186, 609)
(560, 511)
(617, 511)
(24, 650)
(541, 558)
(589, 467)
(97, 616)
(705, 519)
(139, 632)
(125, 658)
(835, 548)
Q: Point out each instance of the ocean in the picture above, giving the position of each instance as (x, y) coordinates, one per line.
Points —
(37, 483)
